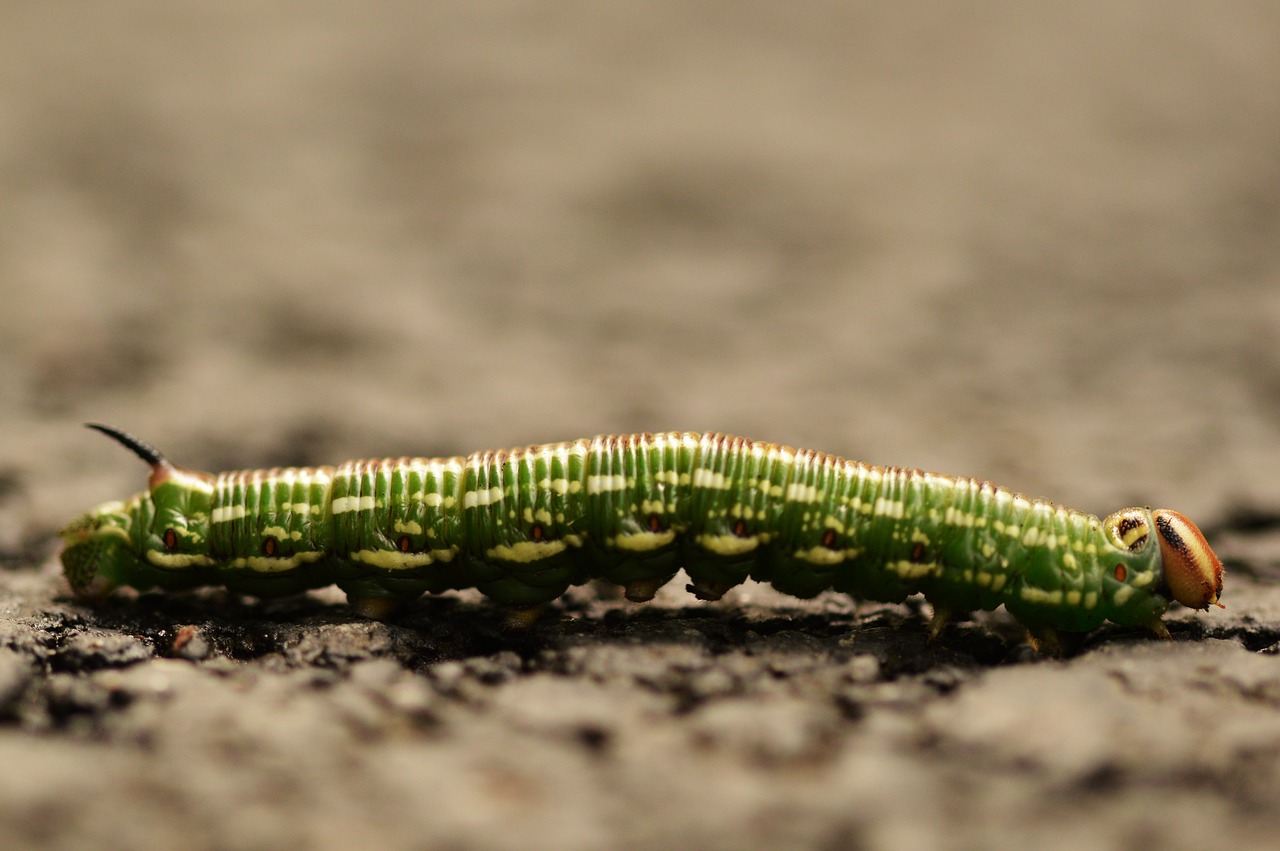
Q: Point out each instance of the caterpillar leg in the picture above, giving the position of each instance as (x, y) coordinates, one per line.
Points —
(522, 618)
(709, 589)
(379, 599)
(1044, 640)
(1161, 631)
(375, 607)
(642, 590)
(937, 623)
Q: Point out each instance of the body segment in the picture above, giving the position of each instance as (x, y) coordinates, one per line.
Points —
(523, 525)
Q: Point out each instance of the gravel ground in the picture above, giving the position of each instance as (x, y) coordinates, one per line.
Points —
(1037, 245)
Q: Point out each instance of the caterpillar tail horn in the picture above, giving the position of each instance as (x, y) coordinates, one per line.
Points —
(161, 466)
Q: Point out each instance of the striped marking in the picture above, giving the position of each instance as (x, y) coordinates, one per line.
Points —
(911, 569)
(272, 564)
(1041, 596)
(823, 555)
(704, 478)
(797, 492)
(728, 545)
(644, 541)
(226, 513)
(396, 560)
(343, 504)
(526, 551)
(484, 496)
(889, 508)
(603, 484)
(190, 481)
(178, 561)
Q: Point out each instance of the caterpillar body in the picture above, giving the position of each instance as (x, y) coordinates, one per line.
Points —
(522, 525)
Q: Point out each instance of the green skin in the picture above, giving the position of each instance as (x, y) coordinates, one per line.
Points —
(524, 525)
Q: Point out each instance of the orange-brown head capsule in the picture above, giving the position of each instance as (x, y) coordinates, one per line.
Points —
(1191, 570)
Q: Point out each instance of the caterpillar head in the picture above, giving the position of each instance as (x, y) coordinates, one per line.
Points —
(125, 543)
(1192, 572)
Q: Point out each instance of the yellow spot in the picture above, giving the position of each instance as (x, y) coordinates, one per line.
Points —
(392, 559)
(643, 541)
(913, 570)
(476, 498)
(265, 564)
(797, 492)
(226, 513)
(602, 484)
(821, 555)
(1123, 593)
(1068, 560)
(704, 478)
(433, 499)
(526, 551)
(919, 537)
(1073, 598)
(727, 545)
(177, 561)
(412, 527)
(1091, 599)
(343, 504)
(1038, 595)
(187, 534)
(889, 508)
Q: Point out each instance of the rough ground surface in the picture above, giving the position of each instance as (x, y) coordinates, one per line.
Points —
(1036, 245)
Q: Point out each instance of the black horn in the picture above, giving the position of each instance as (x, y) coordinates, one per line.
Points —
(147, 453)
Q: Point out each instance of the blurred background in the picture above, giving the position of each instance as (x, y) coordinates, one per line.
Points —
(1038, 243)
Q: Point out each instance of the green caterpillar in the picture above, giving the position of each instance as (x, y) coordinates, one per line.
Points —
(523, 525)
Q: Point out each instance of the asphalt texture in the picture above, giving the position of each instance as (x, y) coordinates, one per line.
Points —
(1034, 244)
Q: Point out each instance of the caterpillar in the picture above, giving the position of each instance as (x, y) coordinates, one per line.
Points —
(524, 524)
